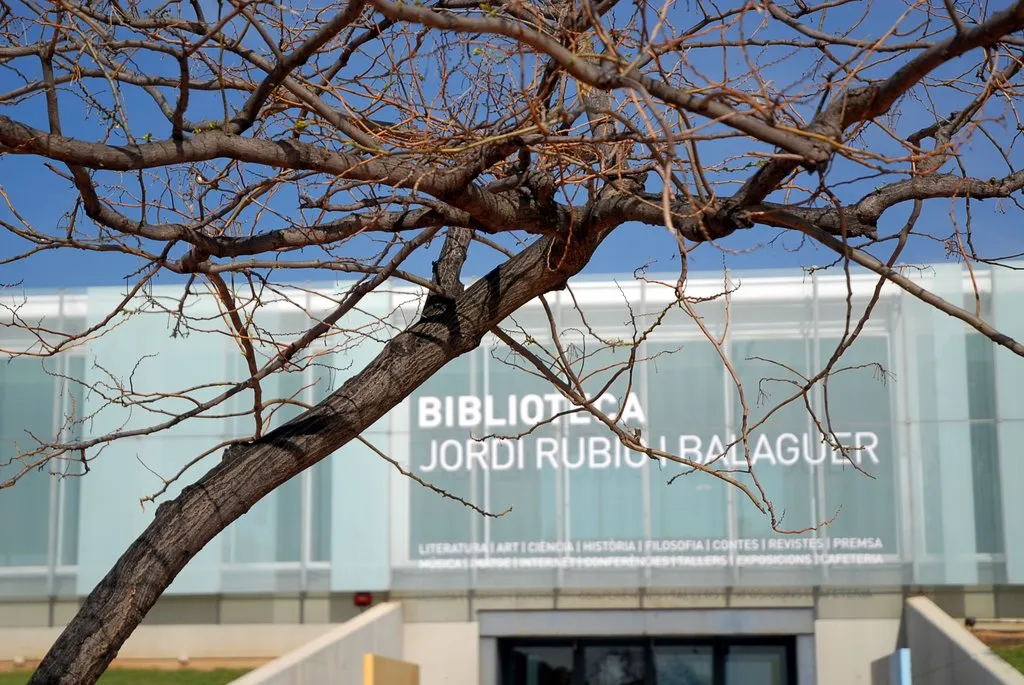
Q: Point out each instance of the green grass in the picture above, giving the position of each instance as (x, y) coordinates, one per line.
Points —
(116, 676)
(1014, 655)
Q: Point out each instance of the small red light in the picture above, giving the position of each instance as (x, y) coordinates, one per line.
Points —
(362, 599)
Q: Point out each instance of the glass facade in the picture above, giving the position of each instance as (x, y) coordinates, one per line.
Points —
(923, 405)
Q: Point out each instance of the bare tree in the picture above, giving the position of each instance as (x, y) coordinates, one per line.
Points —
(238, 143)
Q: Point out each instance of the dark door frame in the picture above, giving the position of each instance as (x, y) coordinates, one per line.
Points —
(624, 624)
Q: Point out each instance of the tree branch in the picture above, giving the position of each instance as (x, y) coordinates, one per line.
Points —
(870, 262)
(184, 525)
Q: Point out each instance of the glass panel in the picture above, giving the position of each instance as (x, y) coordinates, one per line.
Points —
(74, 408)
(682, 665)
(859, 407)
(439, 455)
(529, 484)
(321, 511)
(938, 403)
(321, 474)
(605, 480)
(26, 409)
(272, 530)
(613, 665)
(988, 500)
(691, 426)
(755, 665)
(250, 538)
(288, 529)
(540, 666)
(69, 532)
(1008, 293)
(783, 451)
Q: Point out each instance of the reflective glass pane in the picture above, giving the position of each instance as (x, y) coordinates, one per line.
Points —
(321, 475)
(523, 474)
(605, 480)
(859, 395)
(74, 407)
(756, 665)
(783, 451)
(321, 511)
(687, 504)
(26, 409)
(539, 666)
(988, 500)
(288, 524)
(613, 665)
(440, 454)
(288, 510)
(683, 665)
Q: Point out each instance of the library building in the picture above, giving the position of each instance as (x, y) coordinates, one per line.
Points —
(600, 565)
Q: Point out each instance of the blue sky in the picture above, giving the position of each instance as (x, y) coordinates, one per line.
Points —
(42, 198)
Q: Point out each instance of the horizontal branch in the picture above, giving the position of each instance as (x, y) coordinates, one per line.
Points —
(452, 186)
(861, 104)
(936, 186)
(916, 289)
(857, 220)
(21, 139)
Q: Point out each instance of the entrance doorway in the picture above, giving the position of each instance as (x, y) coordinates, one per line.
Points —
(648, 661)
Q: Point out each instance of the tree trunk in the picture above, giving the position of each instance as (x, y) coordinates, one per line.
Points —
(183, 526)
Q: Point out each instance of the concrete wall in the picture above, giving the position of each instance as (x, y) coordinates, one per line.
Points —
(447, 653)
(845, 648)
(173, 642)
(943, 652)
(337, 655)
(441, 634)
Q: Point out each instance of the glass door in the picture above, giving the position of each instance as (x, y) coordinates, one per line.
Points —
(614, 664)
(539, 665)
(684, 664)
(756, 665)
(646, 661)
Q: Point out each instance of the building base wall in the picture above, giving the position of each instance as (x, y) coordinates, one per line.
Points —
(845, 648)
(849, 628)
(447, 653)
